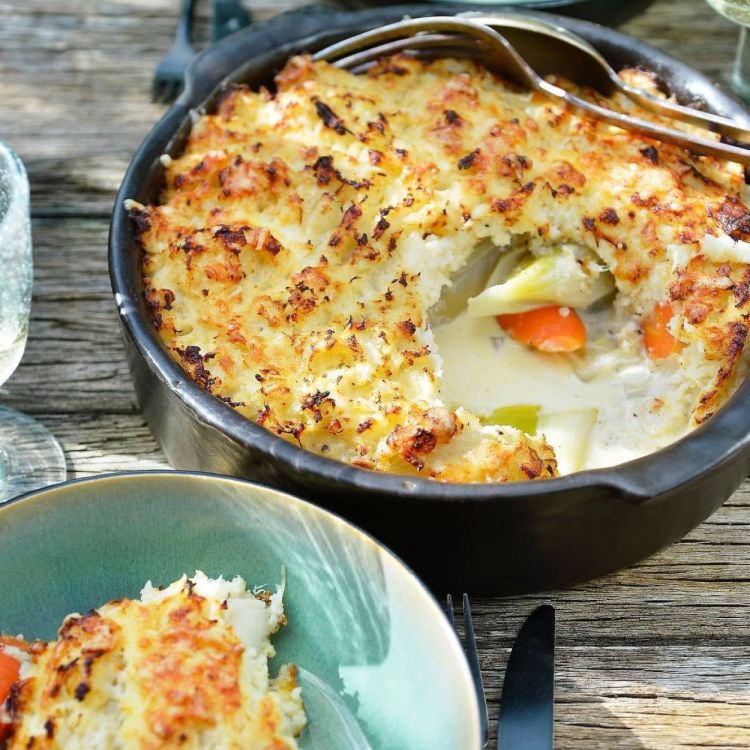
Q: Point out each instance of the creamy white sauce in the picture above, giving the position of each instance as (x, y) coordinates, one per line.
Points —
(483, 370)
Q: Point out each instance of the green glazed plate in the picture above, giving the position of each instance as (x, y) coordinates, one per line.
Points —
(584, 5)
(380, 666)
(534, 4)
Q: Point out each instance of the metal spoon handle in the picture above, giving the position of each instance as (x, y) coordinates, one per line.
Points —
(709, 120)
(643, 127)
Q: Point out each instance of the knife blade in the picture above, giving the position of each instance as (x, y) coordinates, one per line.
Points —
(527, 704)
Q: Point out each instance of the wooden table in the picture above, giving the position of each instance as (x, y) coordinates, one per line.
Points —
(657, 656)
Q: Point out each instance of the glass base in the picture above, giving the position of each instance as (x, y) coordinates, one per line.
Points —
(740, 86)
(740, 80)
(30, 457)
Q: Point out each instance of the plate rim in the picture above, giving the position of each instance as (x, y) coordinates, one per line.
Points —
(27, 500)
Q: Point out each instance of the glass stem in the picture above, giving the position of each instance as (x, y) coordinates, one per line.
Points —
(741, 70)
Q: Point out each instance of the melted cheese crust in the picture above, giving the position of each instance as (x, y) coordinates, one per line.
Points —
(303, 236)
(170, 672)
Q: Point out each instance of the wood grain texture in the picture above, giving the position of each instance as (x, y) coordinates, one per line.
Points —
(653, 657)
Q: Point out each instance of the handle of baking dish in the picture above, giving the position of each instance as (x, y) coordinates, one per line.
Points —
(715, 456)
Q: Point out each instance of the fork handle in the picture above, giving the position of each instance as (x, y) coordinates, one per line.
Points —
(644, 127)
(716, 123)
(184, 33)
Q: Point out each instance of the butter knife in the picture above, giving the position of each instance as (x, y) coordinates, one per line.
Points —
(527, 704)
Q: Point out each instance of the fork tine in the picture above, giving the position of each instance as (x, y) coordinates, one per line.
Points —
(174, 91)
(167, 91)
(398, 45)
(170, 72)
(410, 28)
(469, 645)
(449, 610)
(496, 50)
(164, 92)
(156, 86)
(163, 87)
(472, 654)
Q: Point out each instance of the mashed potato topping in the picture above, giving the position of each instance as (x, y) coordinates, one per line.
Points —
(304, 236)
(184, 667)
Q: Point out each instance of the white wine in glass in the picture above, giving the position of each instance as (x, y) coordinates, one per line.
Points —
(739, 12)
(29, 456)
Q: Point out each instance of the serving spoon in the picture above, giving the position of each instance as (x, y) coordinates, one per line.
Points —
(475, 38)
(560, 43)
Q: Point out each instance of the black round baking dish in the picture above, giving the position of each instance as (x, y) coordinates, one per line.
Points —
(497, 538)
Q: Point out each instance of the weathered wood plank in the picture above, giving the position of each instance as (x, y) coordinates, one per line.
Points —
(101, 443)
(658, 698)
(78, 135)
(74, 360)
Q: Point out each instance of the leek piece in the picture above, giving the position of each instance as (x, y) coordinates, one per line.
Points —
(558, 278)
(523, 417)
(568, 432)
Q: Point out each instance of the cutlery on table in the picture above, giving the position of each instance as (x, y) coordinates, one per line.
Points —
(229, 16)
(472, 656)
(527, 704)
(169, 74)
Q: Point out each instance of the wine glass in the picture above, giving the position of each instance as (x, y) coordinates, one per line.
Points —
(29, 456)
(739, 12)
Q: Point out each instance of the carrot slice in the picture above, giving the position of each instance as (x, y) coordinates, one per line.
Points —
(548, 329)
(657, 338)
(9, 672)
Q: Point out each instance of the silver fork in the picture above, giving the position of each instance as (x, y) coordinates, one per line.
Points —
(476, 39)
(472, 656)
(169, 74)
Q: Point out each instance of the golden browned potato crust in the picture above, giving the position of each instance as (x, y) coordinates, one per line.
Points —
(147, 677)
(303, 236)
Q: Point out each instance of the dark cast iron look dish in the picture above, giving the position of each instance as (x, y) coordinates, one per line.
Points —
(489, 538)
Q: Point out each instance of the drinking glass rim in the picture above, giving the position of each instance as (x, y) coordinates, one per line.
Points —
(18, 177)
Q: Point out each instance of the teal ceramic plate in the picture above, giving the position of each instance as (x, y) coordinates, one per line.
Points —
(380, 666)
(535, 4)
